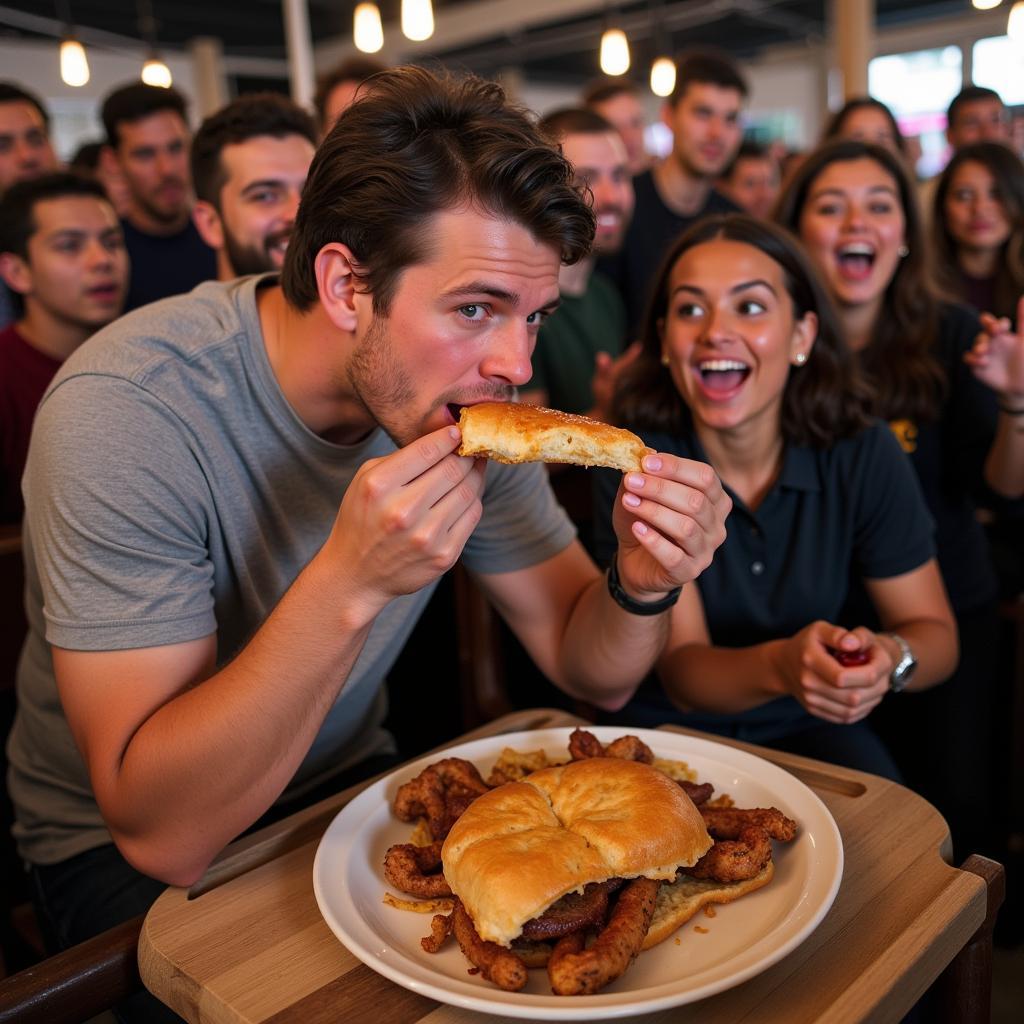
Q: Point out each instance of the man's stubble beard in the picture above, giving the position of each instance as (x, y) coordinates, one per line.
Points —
(382, 387)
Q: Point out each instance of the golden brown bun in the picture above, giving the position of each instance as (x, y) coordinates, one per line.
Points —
(509, 432)
(520, 847)
(678, 902)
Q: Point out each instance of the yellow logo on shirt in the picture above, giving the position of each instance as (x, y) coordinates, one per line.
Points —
(905, 431)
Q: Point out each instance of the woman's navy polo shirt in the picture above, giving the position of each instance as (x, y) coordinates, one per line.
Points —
(851, 511)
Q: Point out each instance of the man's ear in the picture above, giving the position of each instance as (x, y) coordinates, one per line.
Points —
(336, 284)
(109, 162)
(15, 273)
(208, 224)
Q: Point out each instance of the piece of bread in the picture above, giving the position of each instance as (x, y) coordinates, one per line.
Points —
(509, 432)
(519, 848)
(678, 902)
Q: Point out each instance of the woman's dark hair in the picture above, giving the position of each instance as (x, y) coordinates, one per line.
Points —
(834, 127)
(823, 401)
(907, 380)
(1007, 170)
(416, 144)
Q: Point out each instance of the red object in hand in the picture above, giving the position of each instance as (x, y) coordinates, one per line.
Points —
(850, 658)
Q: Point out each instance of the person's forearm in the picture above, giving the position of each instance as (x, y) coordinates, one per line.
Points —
(208, 763)
(934, 644)
(723, 680)
(1004, 465)
(607, 651)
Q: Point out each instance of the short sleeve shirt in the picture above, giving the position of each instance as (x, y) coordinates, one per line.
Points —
(853, 511)
(172, 493)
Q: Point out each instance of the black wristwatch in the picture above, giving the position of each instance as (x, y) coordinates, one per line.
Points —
(623, 600)
(905, 667)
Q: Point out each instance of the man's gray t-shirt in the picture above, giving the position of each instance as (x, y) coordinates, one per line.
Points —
(171, 493)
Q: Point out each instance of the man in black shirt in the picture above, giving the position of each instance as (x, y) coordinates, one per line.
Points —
(704, 115)
(148, 138)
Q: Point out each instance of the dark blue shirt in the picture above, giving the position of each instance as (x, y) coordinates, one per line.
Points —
(164, 265)
(851, 511)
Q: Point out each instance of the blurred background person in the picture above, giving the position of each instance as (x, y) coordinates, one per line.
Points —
(704, 115)
(25, 152)
(867, 120)
(751, 181)
(976, 114)
(854, 207)
(249, 163)
(743, 366)
(978, 223)
(620, 102)
(337, 89)
(148, 139)
(88, 160)
(62, 254)
(579, 350)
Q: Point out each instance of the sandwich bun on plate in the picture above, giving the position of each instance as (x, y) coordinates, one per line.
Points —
(510, 432)
(519, 848)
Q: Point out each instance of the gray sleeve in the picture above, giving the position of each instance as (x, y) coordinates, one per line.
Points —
(522, 524)
(116, 505)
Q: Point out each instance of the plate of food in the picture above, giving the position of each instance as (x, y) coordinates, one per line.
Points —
(631, 875)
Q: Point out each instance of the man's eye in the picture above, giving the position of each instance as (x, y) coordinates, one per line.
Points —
(537, 318)
(473, 311)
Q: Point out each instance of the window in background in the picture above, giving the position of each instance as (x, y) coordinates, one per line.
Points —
(999, 64)
(918, 87)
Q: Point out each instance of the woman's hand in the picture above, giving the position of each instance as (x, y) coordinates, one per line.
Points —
(669, 520)
(811, 664)
(997, 358)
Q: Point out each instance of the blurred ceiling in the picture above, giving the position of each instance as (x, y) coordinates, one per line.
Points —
(543, 45)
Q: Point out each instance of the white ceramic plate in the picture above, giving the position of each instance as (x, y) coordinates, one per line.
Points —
(743, 939)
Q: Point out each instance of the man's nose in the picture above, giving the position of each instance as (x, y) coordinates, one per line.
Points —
(507, 360)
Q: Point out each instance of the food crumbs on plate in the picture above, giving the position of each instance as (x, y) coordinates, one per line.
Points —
(698, 928)
(709, 911)
(679, 941)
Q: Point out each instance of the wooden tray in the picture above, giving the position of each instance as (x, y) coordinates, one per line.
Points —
(247, 943)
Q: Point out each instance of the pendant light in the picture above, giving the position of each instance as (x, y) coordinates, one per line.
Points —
(367, 30)
(417, 20)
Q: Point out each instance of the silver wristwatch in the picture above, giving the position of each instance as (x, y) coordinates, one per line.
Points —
(905, 667)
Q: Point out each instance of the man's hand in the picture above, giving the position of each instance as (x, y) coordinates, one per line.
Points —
(669, 520)
(997, 358)
(406, 517)
(811, 664)
(606, 375)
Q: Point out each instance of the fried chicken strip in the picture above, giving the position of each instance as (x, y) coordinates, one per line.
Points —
(440, 929)
(698, 792)
(498, 965)
(735, 860)
(573, 912)
(416, 870)
(726, 822)
(583, 744)
(577, 971)
(440, 793)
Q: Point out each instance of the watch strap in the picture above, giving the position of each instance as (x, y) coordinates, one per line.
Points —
(631, 605)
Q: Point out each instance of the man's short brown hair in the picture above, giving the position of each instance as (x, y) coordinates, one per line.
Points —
(707, 67)
(417, 144)
(352, 69)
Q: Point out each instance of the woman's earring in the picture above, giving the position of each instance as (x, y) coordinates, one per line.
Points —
(665, 361)
(800, 358)
(903, 252)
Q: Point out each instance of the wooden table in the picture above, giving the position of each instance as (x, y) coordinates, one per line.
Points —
(247, 943)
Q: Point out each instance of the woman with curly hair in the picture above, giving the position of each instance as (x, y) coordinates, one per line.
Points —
(742, 366)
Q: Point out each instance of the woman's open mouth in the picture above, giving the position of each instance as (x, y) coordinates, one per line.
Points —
(855, 260)
(721, 378)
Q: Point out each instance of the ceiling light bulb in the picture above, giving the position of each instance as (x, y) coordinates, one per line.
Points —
(1015, 23)
(986, 5)
(614, 52)
(367, 30)
(417, 20)
(156, 72)
(663, 76)
(74, 65)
